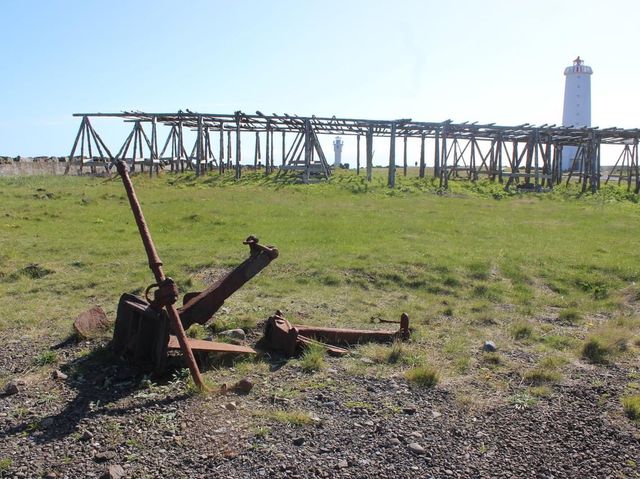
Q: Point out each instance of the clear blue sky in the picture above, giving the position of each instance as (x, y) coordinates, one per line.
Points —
(486, 61)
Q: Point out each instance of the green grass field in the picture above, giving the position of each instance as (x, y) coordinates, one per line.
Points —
(537, 273)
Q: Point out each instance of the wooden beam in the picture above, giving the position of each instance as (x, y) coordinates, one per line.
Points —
(358, 155)
(369, 139)
(391, 182)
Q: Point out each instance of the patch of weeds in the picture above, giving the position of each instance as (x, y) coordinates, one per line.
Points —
(382, 354)
(423, 376)
(134, 443)
(194, 218)
(631, 406)
(155, 419)
(540, 391)
(539, 375)
(331, 280)
(293, 417)
(197, 331)
(597, 289)
(595, 351)
(558, 342)
(5, 464)
(448, 311)
(249, 366)
(45, 358)
(479, 270)
(359, 405)
(545, 372)
(313, 358)
(261, 432)
(396, 353)
(451, 282)
(523, 400)
(601, 347)
(33, 271)
(491, 358)
(457, 350)
(522, 331)
(569, 315)
(486, 292)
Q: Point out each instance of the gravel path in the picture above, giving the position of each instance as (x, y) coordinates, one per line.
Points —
(104, 414)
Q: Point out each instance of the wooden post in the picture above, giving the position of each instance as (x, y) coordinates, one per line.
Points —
(256, 151)
(473, 171)
(229, 164)
(369, 140)
(75, 144)
(200, 149)
(358, 155)
(308, 151)
(404, 157)
(284, 152)
(238, 153)
(391, 182)
(444, 177)
(154, 147)
(436, 155)
(182, 149)
(422, 164)
(271, 168)
(221, 145)
(499, 158)
(267, 165)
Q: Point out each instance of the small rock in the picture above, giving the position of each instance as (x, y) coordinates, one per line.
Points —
(231, 406)
(409, 410)
(57, 374)
(104, 456)
(342, 464)
(114, 471)
(51, 475)
(489, 346)
(315, 419)
(416, 448)
(91, 323)
(367, 360)
(436, 414)
(298, 441)
(10, 389)
(394, 441)
(86, 436)
(234, 334)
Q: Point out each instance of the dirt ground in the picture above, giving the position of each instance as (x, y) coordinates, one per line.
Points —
(105, 413)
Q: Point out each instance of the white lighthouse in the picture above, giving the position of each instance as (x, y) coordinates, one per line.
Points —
(337, 149)
(577, 103)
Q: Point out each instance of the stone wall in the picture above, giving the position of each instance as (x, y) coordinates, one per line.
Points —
(33, 166)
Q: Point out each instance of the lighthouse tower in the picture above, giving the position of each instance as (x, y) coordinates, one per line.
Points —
(337, 149)
(577, 103)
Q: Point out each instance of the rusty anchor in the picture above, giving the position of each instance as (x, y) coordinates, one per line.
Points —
(280, 335)
(146, 328)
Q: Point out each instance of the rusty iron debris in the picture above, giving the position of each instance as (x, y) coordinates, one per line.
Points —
(146, 328)
(280, 335)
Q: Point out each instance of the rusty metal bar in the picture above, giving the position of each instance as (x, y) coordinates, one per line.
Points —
(156, 267)
(200, 307)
